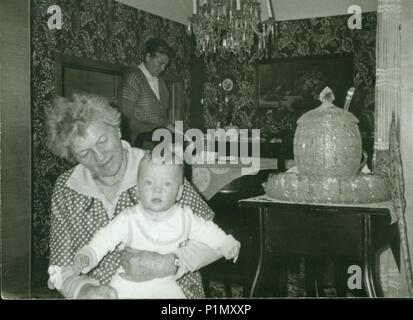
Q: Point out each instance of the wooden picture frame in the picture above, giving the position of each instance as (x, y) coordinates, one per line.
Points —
(75, 74)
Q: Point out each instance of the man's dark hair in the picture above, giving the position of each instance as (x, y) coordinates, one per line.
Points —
(154, 46)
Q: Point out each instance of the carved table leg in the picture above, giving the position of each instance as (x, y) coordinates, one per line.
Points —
(314, 286)
(371, 279)
(258, 273)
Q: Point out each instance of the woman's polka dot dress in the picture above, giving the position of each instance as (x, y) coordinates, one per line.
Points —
(75, 218)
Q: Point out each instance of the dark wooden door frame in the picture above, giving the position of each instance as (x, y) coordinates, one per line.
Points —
(15, 100)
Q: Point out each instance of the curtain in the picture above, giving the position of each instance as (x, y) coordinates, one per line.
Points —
(395, 282)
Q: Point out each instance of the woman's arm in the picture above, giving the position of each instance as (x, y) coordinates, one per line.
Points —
(140, 119)
(61, 274)
(128, 97)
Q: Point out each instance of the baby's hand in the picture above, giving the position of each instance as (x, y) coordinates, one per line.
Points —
(233, 253)
(230, 248)
(81, 262)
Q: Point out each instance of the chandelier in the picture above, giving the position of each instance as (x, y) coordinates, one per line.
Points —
(231, 25)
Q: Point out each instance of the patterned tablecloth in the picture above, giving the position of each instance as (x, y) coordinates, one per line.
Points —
(386, 205)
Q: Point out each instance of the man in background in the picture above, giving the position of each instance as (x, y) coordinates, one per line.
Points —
(144, 96)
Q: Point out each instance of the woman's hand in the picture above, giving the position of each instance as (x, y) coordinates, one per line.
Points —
(90, 291)
(141, 265)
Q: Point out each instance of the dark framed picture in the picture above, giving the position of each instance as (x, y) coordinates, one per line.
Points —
(83, 75)
(294, 84)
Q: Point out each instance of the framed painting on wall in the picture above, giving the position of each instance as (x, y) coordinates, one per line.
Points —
(294, 84)
(75, 74)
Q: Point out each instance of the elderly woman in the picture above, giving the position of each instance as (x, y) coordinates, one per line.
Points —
(85, 129)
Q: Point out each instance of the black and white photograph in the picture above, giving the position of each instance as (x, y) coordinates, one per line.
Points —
(206, 149)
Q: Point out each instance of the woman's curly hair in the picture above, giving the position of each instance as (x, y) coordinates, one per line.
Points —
(70, 117)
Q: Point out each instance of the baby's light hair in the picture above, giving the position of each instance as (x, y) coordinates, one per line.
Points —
(174, 159)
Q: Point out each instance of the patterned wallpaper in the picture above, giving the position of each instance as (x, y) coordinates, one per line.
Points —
(100, 30)
(296, 38)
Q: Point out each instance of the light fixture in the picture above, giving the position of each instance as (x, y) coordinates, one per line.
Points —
(232, 26)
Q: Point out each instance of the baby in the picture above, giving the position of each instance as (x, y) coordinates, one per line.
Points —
(156, 224)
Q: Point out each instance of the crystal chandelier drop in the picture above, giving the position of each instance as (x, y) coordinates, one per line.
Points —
(231, 25)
